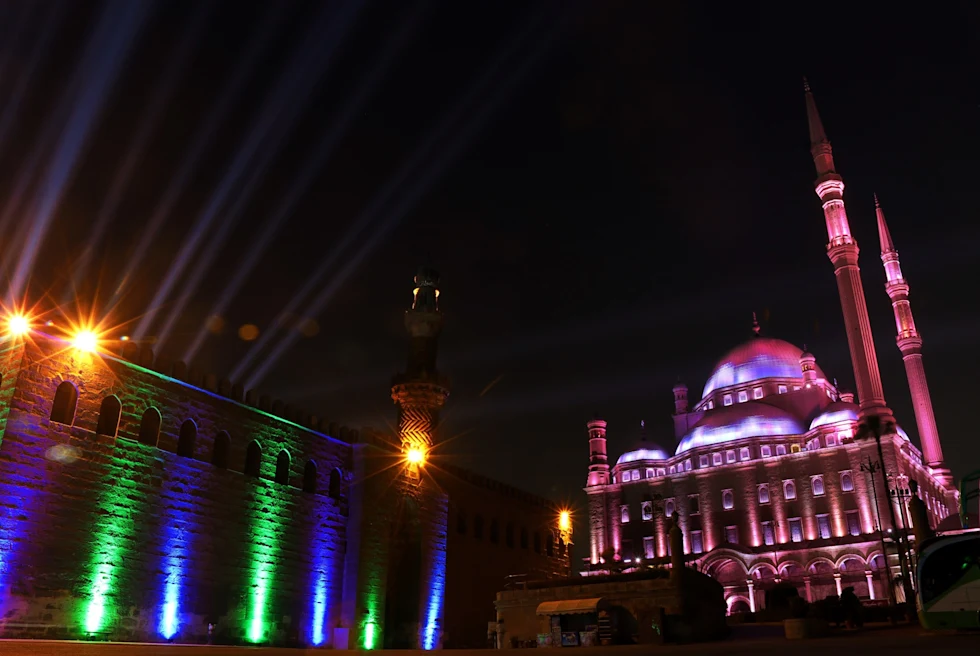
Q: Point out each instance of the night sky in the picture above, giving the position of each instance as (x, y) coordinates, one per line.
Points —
(609, 206)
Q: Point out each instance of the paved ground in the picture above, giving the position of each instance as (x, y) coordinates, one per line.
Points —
(885, 641)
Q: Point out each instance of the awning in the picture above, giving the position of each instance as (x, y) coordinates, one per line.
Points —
(569, 606)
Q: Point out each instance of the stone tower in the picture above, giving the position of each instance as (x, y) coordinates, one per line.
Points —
(420, 391)
(910, 344)
(842, 249)
(598, 479)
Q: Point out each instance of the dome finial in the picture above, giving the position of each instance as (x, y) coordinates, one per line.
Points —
(755, 325)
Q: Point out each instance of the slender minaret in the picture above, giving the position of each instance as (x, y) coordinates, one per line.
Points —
(842, 250)
(910, 344)
(598, 479)
(421, 390)
(598, 461)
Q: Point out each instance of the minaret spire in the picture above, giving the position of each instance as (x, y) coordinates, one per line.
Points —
(910, 344)
(843, 251)
(823, 156)
(756, 329)
(884, 237)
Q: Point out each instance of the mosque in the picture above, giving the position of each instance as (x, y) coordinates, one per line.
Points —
(770, 477)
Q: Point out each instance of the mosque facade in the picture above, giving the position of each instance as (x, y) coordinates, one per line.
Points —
(776, 474)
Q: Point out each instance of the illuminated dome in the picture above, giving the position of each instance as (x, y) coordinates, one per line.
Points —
(652, 452)
(844, 411)
(734, 422)
(757, 359)
(836, 412)
(643, 449)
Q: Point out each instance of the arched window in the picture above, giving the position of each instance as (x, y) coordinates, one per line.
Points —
(817, 483)
(461, 522)
(789, 490)
(727, 499)
(309, 477)
(109, 413)
(65, 400)
(334, 489)
(222, 445)
(282, 467)
(253, 459)
(478, 527)
(186, 439)
(846, 482)
(150, 427)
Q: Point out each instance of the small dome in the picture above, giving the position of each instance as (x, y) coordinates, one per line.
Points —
(835, 412)
(653, 452)
(734, 422)
(757, 359)
(643, 449)
(845, 411)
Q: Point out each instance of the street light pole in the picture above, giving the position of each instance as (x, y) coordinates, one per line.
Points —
(901, 495)
(902, 562)
(872, 468)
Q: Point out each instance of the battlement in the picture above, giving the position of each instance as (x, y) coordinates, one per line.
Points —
(501, 488)
(97, 396)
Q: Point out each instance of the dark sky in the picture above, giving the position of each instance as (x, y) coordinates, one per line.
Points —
(636, 181)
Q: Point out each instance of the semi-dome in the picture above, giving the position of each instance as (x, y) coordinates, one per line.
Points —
(643, 449)
(734, 422)
(834, 413)
(757, 359)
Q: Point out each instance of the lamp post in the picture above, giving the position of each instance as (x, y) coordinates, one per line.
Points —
(901, 494)
(872, 467)
(875, 426)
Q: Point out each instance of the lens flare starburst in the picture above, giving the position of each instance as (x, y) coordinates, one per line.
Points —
(18, 325)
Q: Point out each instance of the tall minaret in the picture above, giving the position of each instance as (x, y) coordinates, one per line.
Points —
(421, 390)
(910, 344)
(598, 479)
(842, 250)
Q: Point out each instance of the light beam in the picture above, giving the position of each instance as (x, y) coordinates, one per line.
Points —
(107, 49)
(202, 139)
(445, 155)
(418, 157)
(275, 122)
(319, 156)
(158, 101)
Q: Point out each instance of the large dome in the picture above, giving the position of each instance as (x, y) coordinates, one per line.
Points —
(734, 422)
(756, 359)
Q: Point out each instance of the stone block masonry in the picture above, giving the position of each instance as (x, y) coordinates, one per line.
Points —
(115, 536)
(137, 507)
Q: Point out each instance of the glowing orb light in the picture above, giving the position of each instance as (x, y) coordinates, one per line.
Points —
(564, 520)
(18, 325)
(85, 340)
(415, 456)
